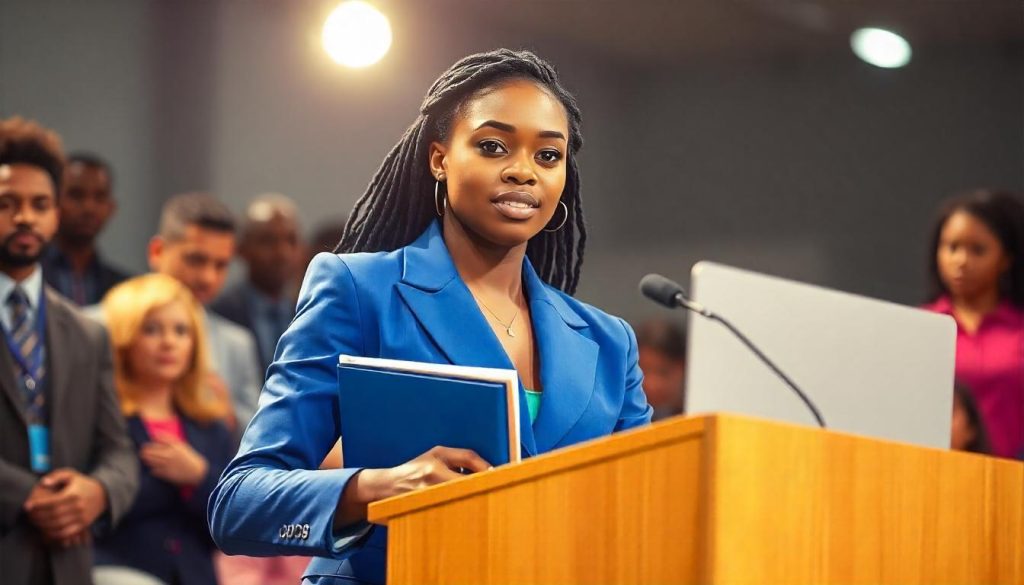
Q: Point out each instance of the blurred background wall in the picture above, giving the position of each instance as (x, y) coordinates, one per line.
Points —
(740, 131)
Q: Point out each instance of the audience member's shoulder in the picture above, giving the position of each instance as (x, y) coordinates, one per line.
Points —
(114, 275)
(227, 327)
(118, 274)
(88, 320)
(94, 313)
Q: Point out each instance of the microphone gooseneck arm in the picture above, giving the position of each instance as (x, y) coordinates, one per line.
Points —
(666, 292)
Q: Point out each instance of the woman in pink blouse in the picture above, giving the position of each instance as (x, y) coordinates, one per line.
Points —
(977, 276)
(174, 421)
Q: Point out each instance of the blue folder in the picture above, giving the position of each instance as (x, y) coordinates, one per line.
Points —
(389, 417)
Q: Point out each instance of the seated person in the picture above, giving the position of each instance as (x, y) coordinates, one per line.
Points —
(159, 368)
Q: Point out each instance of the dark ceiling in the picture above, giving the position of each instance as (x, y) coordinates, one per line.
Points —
(659, 30)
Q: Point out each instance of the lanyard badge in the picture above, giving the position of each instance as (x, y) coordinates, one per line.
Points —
(39, 448)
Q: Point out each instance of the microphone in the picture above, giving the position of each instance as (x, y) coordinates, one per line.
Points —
(669, 294)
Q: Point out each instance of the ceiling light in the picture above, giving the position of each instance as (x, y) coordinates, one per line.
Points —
(356, 34)
(880, 47)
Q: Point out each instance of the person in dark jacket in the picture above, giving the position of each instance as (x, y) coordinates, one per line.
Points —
(160, 363)
(72, 264)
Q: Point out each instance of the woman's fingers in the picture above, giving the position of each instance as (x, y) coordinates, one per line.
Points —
(461, 459)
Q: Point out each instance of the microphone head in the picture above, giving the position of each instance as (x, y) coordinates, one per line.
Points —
(661, 290)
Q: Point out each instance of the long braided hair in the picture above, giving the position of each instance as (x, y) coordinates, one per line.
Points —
(399, 202)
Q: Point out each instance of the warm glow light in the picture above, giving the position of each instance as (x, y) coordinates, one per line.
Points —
(356, 34)
(880, 47)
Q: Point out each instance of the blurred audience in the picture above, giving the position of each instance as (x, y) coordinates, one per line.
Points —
(66, 464)
(73, 265)
(968, 430)
(160, 360)
(662, 347)
(977, 276)
(269, 245)
(195, 244)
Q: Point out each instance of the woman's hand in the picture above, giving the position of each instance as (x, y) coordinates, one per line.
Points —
(438, 465)
(174, 461)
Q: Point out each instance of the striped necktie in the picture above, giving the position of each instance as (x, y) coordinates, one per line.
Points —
(26, 340)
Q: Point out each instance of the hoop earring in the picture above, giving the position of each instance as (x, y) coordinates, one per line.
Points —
(564, 219)
(442, 204)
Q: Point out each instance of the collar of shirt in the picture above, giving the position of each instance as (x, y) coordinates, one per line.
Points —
(33, 287)
(1004, 313)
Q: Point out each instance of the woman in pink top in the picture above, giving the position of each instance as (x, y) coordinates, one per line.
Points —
(978, 277)
(174, 421)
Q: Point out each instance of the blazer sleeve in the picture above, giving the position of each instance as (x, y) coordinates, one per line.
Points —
(635, 409)
(273, 499)
(115, 466)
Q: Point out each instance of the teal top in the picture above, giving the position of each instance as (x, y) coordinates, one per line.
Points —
(533, 403)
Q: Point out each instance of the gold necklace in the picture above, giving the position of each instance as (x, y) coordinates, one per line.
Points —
(508, 327)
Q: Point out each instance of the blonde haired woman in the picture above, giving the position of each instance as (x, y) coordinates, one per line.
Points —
(160, 365)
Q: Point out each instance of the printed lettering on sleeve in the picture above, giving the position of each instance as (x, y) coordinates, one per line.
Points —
(294, 531)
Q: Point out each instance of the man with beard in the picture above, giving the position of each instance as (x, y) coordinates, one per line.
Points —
(72, 265)
(67, 466)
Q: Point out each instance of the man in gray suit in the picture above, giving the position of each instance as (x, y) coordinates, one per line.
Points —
(195, 244)
(67, 466)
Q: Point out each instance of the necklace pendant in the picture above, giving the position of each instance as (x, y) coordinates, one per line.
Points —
(509, 331)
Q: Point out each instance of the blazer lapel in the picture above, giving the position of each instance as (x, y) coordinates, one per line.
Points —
(65, 428)
(192, 434)
(10, 384)
(59, 357)
(443, 305)
(137, 430)
(568, 362)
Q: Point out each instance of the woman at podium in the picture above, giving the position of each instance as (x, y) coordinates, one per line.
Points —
(465, 248)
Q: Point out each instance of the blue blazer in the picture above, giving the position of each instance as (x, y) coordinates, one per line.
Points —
(408, 304)
(164, 534)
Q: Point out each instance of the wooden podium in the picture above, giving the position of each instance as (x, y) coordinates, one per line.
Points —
(718, 499)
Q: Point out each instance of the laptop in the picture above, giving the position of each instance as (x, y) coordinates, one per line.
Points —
(873, 368)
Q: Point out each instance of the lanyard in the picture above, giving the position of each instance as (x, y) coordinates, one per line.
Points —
(30, 368)
(38, 432)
